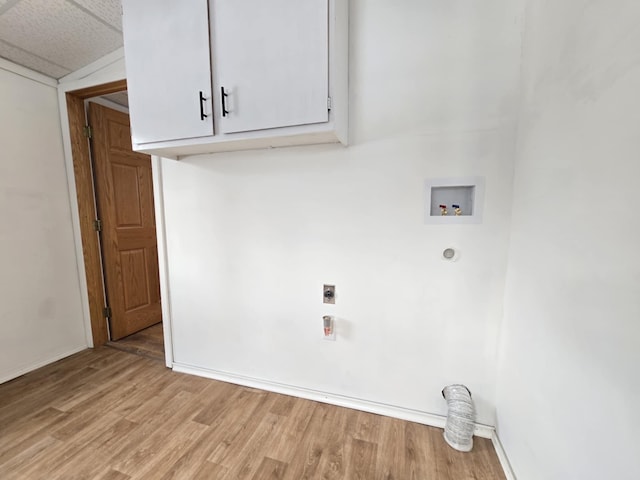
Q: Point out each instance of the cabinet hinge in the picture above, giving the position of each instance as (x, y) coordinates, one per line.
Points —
(97, 225)
(106, 312)
(328, 103)
(87, 131)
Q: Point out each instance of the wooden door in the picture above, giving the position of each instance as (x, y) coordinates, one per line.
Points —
(168, 61)
(124, 197)
(271, 57)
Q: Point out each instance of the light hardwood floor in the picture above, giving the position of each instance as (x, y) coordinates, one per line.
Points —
(110, 415)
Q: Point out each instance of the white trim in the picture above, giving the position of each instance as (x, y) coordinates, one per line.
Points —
(93, 67)
(27, 73)
(100, 79)
(63, 88)
(75, 215)
(411, 415)
(502, 457)
(163, 262)
(42, 363)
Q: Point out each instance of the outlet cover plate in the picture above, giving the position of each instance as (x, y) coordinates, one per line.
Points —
(329, 294)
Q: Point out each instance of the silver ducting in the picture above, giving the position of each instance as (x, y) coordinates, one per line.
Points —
(458, 431)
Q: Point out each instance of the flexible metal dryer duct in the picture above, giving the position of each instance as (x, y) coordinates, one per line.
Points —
(458, 431)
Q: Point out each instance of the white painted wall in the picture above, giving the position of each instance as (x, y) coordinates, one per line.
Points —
(40, 311)
(252, 236)
(568, 387)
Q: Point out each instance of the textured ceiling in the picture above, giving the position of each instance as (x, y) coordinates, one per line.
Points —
(121, 98)
(57, 37)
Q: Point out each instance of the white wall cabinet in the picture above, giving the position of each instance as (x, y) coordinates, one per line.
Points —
(268, 79)
(278, 69)
(168, 69)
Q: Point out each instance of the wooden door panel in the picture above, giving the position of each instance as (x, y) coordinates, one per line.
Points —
(120, 137)
(127, 196)
(145, 185)
(136, 291)
(141, 318)
(143, 288)
(133, 190)
(124, 194)
(131, 238)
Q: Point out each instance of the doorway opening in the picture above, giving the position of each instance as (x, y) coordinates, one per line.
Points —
(117, 226)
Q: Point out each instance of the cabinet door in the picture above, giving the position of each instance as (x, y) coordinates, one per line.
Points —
(167, 57)
(271, 59)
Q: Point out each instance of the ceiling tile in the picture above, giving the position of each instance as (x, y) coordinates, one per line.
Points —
(59, 31)
(108, 10)
(5, 4)
(16, 55)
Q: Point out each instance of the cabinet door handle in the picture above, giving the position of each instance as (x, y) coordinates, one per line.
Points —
(223, 96)
(202, 100)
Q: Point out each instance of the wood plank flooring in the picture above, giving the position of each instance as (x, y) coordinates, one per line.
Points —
(148, 342)
(106, 414)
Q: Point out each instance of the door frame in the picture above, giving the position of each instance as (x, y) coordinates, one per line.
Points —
(71, 97)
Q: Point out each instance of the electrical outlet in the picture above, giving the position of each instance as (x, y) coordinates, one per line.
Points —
(329, 294)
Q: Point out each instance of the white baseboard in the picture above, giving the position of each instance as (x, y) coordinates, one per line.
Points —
(502, 457)
(418, 416)
(40, 364)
